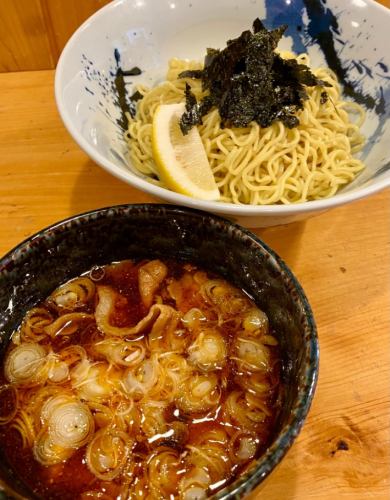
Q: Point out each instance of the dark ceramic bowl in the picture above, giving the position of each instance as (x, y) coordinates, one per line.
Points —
(30, 272)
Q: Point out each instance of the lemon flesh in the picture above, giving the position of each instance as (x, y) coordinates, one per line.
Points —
(181, 160)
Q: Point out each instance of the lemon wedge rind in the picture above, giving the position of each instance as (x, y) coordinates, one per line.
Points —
(181, 160)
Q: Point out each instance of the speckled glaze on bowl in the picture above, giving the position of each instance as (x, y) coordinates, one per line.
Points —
(348, 36)
(32, 270)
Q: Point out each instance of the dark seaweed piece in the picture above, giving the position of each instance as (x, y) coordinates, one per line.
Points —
(248, 81)
(132, 72)
(191, 115)
(205, 105)
(194, 110)
(190, 99)
(191, 73)
(257, 25)
(324, 97)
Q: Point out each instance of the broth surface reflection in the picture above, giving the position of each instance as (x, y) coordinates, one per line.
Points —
(144, 379)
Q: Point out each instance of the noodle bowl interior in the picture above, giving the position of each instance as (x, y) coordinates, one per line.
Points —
(262, 166)
(141, 379)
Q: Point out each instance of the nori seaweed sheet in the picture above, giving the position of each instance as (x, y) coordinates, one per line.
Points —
(247, 81)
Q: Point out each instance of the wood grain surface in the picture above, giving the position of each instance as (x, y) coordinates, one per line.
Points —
(341, 259)
(34, 32)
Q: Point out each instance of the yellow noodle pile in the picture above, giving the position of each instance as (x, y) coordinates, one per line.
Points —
(262, 166)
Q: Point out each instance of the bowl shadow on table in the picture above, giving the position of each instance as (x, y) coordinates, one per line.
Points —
(285, 240)
(96, 188)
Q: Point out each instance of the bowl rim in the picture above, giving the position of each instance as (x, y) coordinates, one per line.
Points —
(285, 438)
(176, 198)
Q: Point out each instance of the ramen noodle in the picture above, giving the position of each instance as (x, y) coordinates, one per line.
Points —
(261, 166)
(141, 379)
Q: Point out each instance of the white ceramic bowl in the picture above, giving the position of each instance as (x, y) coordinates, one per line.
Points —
(350, 36)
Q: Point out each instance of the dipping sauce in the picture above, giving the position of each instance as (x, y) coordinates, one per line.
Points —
(138, 380)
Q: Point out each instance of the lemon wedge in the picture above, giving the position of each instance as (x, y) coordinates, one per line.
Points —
(181, 160)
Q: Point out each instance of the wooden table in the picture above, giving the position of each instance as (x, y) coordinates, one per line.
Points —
(341, 258)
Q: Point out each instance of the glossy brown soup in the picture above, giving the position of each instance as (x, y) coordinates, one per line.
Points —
(139, 380)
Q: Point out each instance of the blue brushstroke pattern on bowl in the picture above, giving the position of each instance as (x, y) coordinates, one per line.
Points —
(349, 36)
